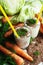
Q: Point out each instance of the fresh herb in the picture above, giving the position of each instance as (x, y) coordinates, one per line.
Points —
(21, 32)
(36, 53)
(30, 21)
(6, 60)
(4, 29)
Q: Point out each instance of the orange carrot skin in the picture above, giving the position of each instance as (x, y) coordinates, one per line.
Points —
(19, 51)
(4, 19)
(19, 25)
(8, 33)
(18, 59)
(41, 28)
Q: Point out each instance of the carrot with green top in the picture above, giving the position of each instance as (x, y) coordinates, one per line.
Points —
(8, 33)
(19, 51)
(17, 58)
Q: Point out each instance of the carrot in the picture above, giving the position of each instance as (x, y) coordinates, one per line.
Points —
(17, 25)
(4, 19)
(8, 33)
(41, 28)
(19, 51)
(18, 59)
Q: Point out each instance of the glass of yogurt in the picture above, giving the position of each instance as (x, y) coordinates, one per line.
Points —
(25, 35)
(31, 23)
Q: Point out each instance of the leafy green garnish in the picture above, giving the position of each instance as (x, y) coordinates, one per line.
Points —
(36, 53)
(30, 21)
(4, 29)
(6, 60)
(21, 32)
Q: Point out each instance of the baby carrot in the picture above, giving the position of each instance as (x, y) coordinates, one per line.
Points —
(41, 28)
(8, 33)
(19, 51)
(17, 58)
(4, 19)
(17, 25)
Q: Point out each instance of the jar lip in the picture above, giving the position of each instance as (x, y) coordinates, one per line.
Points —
(34, 25)
(28, 30)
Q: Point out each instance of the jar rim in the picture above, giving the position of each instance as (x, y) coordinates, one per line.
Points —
(28, 30)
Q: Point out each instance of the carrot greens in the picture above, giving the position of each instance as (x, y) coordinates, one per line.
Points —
(6, 60)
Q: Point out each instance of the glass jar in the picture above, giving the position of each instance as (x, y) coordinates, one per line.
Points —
(24, 40)
(34, 28)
